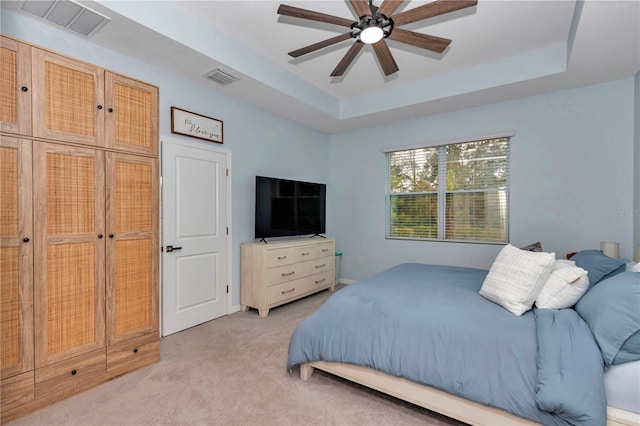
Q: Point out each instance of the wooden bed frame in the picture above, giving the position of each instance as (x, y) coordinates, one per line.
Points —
(439, 401)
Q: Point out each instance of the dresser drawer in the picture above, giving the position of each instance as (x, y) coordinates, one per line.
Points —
(133, 354)
(324, 249)
(16, 390)
(297, 288)
(288, 255)
(295, 271)
(321, 281)
(71, 376)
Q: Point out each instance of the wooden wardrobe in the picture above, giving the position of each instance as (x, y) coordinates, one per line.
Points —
(78, 226)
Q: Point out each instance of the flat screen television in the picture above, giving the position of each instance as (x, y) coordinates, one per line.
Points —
(289, 207)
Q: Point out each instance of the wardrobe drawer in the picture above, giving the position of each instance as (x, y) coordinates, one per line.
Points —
(133, 354)
(16, 390)
(71, 376)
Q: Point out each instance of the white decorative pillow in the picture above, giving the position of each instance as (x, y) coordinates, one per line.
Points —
(563, 263)
(563, 288)
(633, 267)
(516, 277)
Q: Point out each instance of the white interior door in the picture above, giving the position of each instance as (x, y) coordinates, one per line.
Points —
(194, 228)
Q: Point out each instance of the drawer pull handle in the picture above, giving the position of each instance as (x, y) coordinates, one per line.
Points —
(135, 351)
(288, 274)
(287, 291)
(321, 266)
(282, 257)
(73, 372)
(319, 281)
(306, 253)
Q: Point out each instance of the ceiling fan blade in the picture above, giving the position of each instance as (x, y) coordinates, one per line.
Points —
(389, 6)
(429, 42)
(347, 59)
(361, 7)
(429, 10)
(385, 58)
(320, 45)
(296, 12)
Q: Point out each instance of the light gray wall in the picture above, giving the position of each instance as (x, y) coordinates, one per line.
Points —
(572, 171)
(261, 143)
(572, 162)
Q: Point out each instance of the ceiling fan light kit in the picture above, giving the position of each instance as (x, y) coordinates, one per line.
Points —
(374, 25)
(372, 33)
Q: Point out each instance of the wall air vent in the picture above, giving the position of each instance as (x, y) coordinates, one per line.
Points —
(221, 76)
(65, 13)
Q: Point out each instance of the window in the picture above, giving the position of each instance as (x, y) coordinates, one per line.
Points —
(454, 192)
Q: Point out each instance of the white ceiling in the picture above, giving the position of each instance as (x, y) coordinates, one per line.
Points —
(501, 50)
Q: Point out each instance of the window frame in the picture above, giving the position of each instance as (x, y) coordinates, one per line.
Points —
(442, 191)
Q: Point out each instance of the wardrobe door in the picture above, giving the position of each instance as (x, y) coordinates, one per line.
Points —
(16, 257)
(132, 246)
(69, 251)
(15, 86)
(131, 122)
(68, 99)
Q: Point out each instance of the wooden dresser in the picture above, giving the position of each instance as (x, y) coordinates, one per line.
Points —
(279, 272)
(79, 227)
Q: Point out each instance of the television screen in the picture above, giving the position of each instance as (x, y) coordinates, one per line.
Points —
(289, 207)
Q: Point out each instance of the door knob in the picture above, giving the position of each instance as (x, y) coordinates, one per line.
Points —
(172, 248)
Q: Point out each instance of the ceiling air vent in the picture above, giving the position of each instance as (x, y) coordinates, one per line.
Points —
(65, 13)
(221, 76)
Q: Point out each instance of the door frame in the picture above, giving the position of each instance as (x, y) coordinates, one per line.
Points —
(219, 150)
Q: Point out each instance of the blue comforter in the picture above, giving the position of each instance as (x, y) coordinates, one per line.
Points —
(427, 323)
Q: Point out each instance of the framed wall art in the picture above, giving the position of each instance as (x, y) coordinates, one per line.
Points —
(195, 125)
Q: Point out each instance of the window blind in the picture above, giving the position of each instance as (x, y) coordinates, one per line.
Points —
(450, 192)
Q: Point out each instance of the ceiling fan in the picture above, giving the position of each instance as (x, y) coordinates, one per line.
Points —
(374, 25)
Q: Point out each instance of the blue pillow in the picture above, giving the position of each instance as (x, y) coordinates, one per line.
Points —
(612, 311)
(599, 265)
(629, 351)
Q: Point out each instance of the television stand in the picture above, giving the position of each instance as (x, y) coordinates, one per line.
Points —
(283, 271)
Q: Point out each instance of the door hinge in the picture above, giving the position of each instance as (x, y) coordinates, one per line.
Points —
(227, 289)
(227, 230)
(227, 172)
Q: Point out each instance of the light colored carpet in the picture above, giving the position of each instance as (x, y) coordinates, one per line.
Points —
(231, 371)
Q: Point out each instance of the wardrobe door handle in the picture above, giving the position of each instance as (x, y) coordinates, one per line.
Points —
(110, 110)
(99, 106)
(25, 89)
(111, 235)
(26, 240)
(100, 235)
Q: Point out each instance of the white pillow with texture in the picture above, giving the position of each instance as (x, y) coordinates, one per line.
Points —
(516, 277)
(563, 288)
(563, 263)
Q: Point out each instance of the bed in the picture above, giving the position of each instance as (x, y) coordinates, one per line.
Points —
(426, 334)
